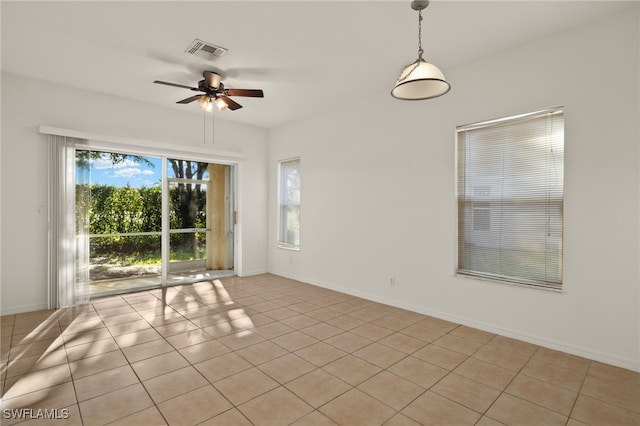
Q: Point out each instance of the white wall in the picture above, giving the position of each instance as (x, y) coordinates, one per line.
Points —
(378, 193)
(28, 103)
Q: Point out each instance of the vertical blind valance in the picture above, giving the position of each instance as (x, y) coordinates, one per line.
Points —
(510, 198)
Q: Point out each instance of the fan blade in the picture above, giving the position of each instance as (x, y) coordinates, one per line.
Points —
(253, 93)
(231, 104)
(189, 99)
(175, 85)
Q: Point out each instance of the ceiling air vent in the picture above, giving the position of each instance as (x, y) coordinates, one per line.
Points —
(205, 50)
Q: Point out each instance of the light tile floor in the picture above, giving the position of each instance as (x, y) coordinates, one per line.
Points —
(266, 350)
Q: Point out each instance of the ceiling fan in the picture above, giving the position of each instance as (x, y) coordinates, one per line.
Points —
(214, 93)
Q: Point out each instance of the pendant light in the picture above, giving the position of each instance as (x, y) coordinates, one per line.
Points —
(420, 79)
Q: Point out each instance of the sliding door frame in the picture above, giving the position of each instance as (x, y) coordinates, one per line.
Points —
(93, 142)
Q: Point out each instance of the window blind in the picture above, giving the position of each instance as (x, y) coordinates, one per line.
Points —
(510, 198)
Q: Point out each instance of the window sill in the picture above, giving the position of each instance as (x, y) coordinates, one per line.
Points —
(288, 247)
(532, 285)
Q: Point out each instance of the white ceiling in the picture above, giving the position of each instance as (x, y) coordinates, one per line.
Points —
(305, 55)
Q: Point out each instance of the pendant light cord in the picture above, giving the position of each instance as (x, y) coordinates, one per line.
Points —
(420, 51)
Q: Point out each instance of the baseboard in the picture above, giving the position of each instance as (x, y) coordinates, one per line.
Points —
(606, 358)
(252, 272)
(24, 308)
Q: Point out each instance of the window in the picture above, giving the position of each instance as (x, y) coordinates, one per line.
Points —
(289, 204)
(510, 194)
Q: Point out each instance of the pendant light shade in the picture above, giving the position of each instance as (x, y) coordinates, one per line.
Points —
(420, 79)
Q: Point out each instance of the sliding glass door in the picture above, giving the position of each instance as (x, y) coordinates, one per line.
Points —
(200, 225)
(149, 221)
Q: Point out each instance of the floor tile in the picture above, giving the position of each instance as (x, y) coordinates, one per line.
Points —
(486, 421)
(315, 418)
(24, 365)
(222, 366)
(595, 412)
(419, 372)
(136, 338)
(241, 339)
(175, 328)
(287, 368)
(274, 329)
(510, 360)
(433, 409)
(403, 343)
(245, 385)
(489, 374)
(352, 370)
(58, 396)
(466, 392)
(281, 313)
(440, 356)
(159, 365)
(33, 349)
(396, 322)
(517, 412)
(357, 408)
(147, 350)
(194, 407)
(175, 383)
(371, 331)
(474, 334)
(458, 344)
(86, 350)
(321, 331)
(147, 417)
(115, 405)
(323, 314)
(610, 372)
(380, 355)
(558, 376)
(188, 338)
(423, 332)
(401, 420)
(231, 417)
(513, 345)
(317, 387)
(260, 411)
(621, 394)
(104, 382)
(203, 351)
(345, 322)
(554, 398)
(122, 318)
(37, 380)
(391, 389)
(320, 354)
(298, 322)
(294, 341)
(348, 342)
(261, 352)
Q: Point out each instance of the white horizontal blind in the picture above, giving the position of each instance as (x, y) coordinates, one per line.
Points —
(289, 200)
(510, 195)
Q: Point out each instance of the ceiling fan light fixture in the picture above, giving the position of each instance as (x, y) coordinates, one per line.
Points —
(205, 103)
(212, 79)
(420, 79)
(221, 104)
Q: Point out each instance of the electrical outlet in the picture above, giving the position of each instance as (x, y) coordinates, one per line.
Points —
(392, 282)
